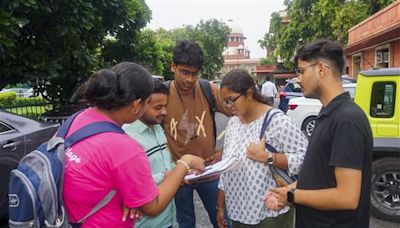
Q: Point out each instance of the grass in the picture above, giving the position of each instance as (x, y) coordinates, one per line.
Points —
(29, 107)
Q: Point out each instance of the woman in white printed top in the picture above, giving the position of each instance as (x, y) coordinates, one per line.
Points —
(242, 190)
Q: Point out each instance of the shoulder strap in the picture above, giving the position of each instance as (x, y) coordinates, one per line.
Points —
(92, 129)
(206, 88)
(267, 120)
(63, 129)
(167, 84)
(100, 205)
(85, 132)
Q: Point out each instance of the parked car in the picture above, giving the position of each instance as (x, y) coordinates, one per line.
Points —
(292, 89)
(18, 136)
(21, 92)
(305, 110)
(75, 103)
(377, 93)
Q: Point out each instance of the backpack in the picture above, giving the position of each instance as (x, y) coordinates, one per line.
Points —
(206, 89)
(35, 186)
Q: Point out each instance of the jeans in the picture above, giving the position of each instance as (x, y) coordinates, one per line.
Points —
(185, 207)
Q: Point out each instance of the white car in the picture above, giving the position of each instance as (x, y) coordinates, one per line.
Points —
(305, 110)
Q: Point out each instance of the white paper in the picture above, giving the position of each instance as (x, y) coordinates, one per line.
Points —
(222, 166)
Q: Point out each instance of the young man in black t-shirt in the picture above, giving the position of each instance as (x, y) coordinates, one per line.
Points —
(333, 187)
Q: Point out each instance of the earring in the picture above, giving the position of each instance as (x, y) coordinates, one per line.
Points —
(135, 111)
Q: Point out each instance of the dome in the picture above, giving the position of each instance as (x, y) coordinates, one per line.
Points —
(234, 27)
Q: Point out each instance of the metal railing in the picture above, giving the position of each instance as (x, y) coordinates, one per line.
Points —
(28, 107)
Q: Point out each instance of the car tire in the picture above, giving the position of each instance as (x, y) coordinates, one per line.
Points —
(308, 125)
(385, 189)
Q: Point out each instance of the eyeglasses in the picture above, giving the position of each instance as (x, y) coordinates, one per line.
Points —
(187, 73)
(230, 103)
(300, 70)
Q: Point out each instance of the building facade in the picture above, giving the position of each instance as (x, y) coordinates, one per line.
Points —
(236, 54)
(375, 42)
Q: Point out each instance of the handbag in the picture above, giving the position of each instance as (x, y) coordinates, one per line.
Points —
(281, 176)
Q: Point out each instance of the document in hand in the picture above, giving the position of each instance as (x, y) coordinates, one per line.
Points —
(216, 169)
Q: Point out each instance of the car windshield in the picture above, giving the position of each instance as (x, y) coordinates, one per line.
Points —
(77, 96)
(293, 87)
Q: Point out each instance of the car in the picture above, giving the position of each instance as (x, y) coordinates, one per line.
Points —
(21, 92)
(378, 95)
(75, 103)
(292, 89)
(18, 136)
(305, 110)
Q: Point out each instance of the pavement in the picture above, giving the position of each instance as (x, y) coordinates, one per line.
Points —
(202, 220)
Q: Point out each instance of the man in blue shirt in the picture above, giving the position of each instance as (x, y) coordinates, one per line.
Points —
(149, 133)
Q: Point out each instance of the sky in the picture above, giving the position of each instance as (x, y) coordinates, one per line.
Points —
(251, 15)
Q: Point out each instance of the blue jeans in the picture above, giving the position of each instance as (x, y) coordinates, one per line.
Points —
(185, 207)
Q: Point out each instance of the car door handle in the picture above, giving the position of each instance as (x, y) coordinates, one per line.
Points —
(11, 144)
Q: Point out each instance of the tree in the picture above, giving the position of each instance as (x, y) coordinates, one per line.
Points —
(213, 37)
(56, 44)
(310, 20)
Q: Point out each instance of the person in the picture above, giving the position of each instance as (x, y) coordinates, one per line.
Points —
(268, 90)
(149, 133)
(333, 186)
(104, 161)
(241, 191)
(189, 127)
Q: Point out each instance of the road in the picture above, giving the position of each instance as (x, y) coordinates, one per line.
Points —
(204, 222)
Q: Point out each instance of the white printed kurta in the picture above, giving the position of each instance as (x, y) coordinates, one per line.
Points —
(245, 187)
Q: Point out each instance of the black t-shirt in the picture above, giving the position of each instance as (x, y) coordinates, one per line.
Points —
(342, 138)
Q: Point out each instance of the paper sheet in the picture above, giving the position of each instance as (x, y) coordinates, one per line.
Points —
(222, 166)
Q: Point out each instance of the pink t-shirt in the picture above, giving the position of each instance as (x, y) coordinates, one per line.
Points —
(98, 164)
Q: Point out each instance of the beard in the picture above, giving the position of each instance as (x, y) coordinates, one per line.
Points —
(149, 120)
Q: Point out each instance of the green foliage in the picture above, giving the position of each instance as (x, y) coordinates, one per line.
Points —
(212, 35)
(7, 98)
(268, 61)
(56, 44)
(310, 20)
(376, 5)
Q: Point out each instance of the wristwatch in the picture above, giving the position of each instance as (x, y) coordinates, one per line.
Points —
(270, 159)
(290, 196)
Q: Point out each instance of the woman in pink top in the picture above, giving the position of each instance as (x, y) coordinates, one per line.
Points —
(112, 161)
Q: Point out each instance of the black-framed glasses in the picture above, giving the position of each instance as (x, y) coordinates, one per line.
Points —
(300, 70)
(187, 73)
(229, 103)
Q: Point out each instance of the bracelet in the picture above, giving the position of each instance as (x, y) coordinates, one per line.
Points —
(184, 164)
(219, 208)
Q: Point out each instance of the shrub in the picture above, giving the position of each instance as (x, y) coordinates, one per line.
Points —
(7, 98)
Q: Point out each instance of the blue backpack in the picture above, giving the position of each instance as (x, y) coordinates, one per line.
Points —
(35, 186)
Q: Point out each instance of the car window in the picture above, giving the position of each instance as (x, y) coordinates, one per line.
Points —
(383, 99)
(5, 128)
(294, 87)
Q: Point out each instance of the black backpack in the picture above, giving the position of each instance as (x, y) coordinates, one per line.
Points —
(206, 89)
